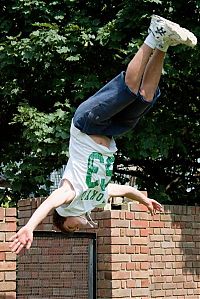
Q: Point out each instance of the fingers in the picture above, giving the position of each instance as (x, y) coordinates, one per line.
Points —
(18, 243)
(13, 237)
(28, 245)
(21, 246)
(16, 246)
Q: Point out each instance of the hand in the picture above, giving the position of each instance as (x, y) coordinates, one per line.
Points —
(23, 238)
(153, 206)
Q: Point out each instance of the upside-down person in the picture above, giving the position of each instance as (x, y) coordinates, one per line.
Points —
(113, 110)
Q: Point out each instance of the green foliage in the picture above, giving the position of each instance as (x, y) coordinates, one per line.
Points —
(42, 144)
(55, 54)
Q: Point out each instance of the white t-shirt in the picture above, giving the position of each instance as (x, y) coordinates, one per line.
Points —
(89, 170)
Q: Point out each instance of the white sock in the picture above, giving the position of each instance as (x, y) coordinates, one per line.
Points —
(150, 41)
(162, 47)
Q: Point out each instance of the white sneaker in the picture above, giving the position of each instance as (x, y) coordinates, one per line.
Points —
(168, 33)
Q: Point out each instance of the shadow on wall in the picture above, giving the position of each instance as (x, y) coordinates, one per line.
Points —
(186, 223)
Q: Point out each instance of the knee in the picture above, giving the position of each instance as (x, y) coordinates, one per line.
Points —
(147, 96)
(131, 83)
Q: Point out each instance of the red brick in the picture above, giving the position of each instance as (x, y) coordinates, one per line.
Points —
(4, 246)
(130, 283)
(130, 249)
(145, 283)
(167, 231)
(129, 215)
(144, 249)
(8, 235)
(140, 292)
(115, 249)
(8, 227)
(130, 266)
(157, 251)
(137, 207)
(11, 295)
(2, 213)
(120, 240)
(108, 275)
(104, 293)
(121, 275)
(11, 275)
(7, 266)
(117, 293)
(144, 265)
(139, 241)
(1, 277)
(104, 248)
(2, 256)
(107, 215)
(139, 223)
(158, 294)
(115, 232)
(119, 223)
(2, 236)
(103, 266)
(10, 256)
(120, 257)
(156, 224)
(11, 212)
(165, 217)
(116, 266)
(108, 223)
(122, 215)
(116, 284)
(156, 238)
(7, 286)
(139, 257)
(190, 285)
(144, 232)
(11, 219)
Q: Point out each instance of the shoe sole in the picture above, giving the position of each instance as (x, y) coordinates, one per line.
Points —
(174, 33)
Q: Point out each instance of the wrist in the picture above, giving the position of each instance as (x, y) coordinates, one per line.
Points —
(145, 201)
(29, 227)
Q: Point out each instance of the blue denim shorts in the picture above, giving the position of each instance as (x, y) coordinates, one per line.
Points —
(113, 110)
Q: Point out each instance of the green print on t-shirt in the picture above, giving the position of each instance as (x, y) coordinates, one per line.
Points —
(92, 194)
(93, 168)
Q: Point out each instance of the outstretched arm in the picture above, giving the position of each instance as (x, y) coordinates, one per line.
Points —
(24, 237)
(134, 194)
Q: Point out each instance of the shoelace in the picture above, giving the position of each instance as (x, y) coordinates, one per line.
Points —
(90, 221)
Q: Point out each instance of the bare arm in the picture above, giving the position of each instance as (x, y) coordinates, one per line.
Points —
(134, 194)
(24, 237)
(56, 199)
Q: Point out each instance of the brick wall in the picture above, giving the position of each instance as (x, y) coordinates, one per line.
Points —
(140, 256)
(175, 253)
(155, 257)
(7, 258)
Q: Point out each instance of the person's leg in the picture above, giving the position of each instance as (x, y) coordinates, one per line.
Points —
(136, 68)
(119, 105)
(142, 77)
(143, 74)
(162, 34)
(152, 75)
(97, 114)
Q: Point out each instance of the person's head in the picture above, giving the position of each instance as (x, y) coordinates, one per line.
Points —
(70, 223)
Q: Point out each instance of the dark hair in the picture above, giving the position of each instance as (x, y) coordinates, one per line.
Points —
(58, 221)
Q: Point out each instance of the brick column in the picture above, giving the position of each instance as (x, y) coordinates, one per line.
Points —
(123, 263)
(7, 258)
